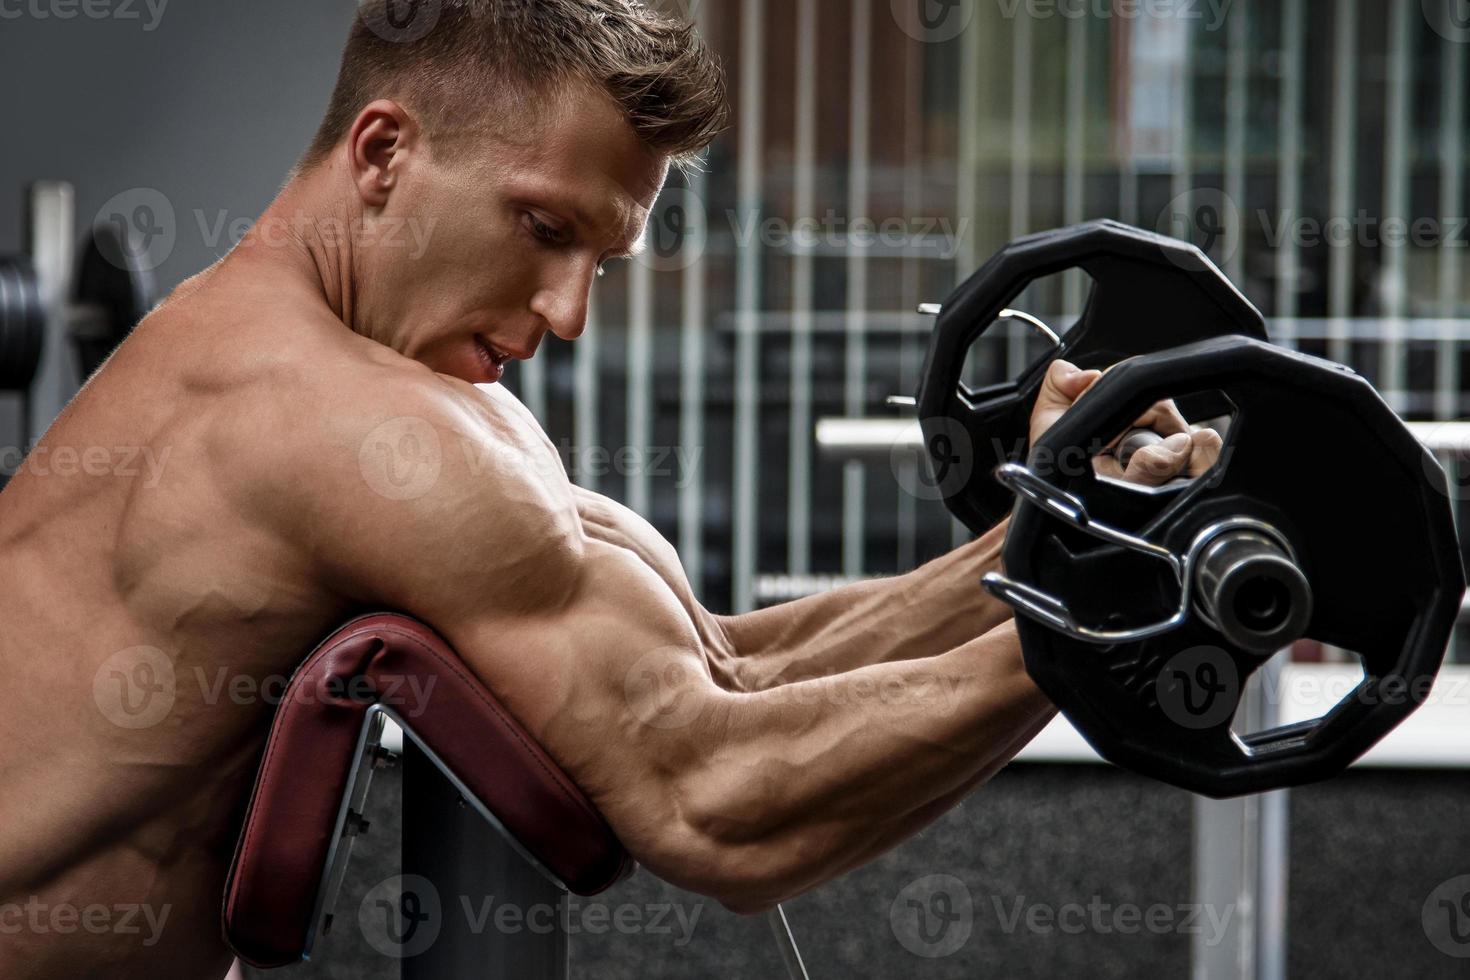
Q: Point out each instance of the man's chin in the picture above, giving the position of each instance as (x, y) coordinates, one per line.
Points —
(480, 377)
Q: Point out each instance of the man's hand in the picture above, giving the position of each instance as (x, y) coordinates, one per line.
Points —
(1064, 384)
(1184, 452)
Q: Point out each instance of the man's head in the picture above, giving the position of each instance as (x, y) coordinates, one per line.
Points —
(515, 146)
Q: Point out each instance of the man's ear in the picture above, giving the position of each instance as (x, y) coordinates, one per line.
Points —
(382, 141)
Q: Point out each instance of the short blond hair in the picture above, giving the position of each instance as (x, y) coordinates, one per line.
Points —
(461, 64)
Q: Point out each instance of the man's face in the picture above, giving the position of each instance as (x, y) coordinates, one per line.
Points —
(516, 232)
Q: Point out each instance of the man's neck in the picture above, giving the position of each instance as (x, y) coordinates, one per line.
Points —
(306, 237)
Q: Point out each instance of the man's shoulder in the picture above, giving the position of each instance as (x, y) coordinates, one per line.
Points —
(386, 437)
(307, 400)
(394, 478)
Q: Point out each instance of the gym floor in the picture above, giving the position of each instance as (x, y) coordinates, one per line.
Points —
(1366, 849)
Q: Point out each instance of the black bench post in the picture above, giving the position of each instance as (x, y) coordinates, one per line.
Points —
(499, 916)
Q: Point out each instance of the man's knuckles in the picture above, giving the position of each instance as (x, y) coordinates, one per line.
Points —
(1207, 449)
(1161, 461)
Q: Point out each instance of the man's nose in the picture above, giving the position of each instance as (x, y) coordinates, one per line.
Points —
(563, 305)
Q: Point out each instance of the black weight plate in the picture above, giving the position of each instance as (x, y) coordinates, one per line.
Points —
(111, 276)
(22, 324)
(1149, 293)
(1316, 453)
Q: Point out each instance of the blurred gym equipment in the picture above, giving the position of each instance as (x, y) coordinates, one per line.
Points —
(64, 309)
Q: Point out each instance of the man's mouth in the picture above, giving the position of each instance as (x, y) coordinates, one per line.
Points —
(497, 357)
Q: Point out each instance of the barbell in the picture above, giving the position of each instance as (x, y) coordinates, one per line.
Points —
(1144, 611)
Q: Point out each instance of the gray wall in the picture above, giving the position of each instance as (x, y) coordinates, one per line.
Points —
(205, 103)
(211, 107)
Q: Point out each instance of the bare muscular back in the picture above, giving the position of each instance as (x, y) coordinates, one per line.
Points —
(126, 579)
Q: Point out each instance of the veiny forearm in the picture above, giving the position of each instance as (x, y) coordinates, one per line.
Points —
(816, 777)
(922, 816)
(937, 607)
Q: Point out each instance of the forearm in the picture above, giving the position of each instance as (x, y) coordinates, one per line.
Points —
(921, 817)
(816, 777)
(937, 607)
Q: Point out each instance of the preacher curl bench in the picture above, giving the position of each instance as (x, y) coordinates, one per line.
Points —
(307, 807)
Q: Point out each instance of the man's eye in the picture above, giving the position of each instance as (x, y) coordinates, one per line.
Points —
(544, 231)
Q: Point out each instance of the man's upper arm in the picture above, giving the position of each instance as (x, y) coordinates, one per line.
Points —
(444, 509)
